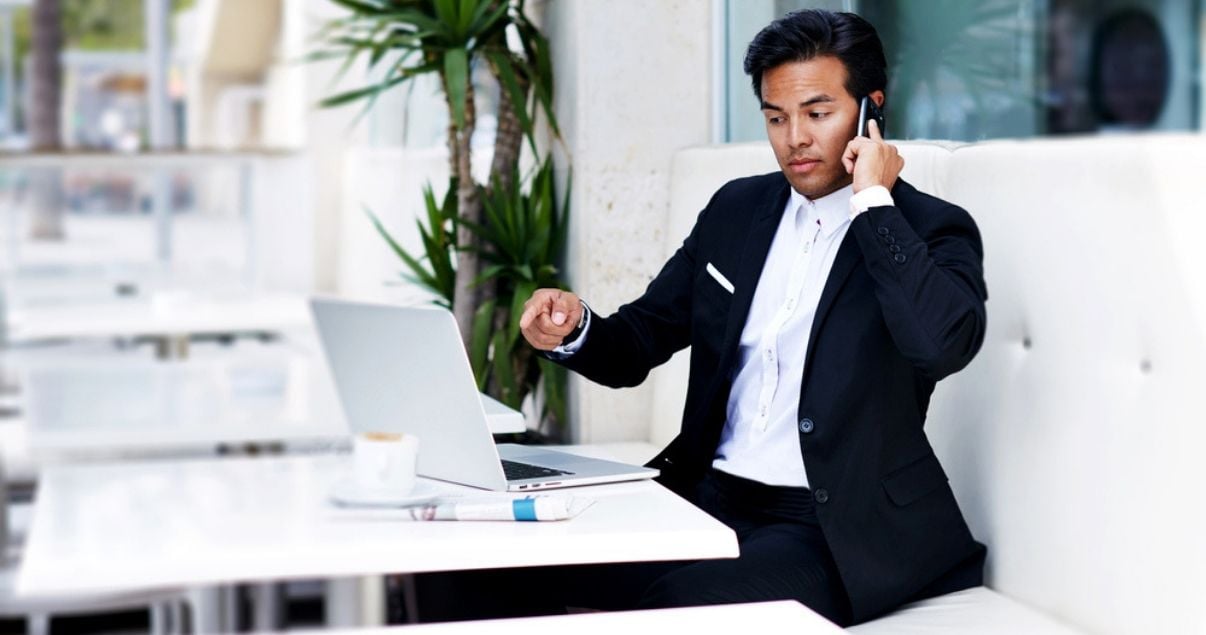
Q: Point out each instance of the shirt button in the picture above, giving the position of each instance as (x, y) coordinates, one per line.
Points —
(821, 495)
(900, 258)
(806, 426)
(883, 231)
(894, 248)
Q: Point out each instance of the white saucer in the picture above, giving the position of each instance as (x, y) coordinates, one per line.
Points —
(346, 492)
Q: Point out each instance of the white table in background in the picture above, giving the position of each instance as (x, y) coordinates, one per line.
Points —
(132, 405)
(764, 618)
(169, 316)
(215, 521)
(169, 319)
(127, 406)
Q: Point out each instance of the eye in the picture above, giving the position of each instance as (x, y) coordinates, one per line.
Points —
(774, 120)
(818, 115)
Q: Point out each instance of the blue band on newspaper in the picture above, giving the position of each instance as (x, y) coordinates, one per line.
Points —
(524, 508)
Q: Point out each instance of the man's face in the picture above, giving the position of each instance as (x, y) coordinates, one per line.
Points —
(810, 117)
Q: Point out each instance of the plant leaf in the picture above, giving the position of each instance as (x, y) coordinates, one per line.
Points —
(479, 347)
(420, 273)
(504, 374)
(523, 291)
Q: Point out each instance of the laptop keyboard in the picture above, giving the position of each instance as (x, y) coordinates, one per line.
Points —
(516, 471)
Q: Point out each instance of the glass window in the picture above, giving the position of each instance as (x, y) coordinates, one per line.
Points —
(964, 70)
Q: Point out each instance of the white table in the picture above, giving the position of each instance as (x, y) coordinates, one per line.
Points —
(763, 618)
(282, 394)
(90, 405)
(150, 524)
(166, 315)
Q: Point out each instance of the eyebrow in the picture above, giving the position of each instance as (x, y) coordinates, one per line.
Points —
(766, 105)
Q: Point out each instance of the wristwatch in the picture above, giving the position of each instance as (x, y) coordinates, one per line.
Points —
(577, 332)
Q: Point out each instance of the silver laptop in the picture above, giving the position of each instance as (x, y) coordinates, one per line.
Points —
(404, 369)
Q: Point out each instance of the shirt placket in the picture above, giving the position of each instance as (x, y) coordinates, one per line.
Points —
(768, 347)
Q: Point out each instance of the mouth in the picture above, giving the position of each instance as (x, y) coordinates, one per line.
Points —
(802, 166)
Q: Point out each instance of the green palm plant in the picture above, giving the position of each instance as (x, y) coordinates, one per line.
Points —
(439, 243)
(448, 38)
(523, 238)
(526, 234)
(486, 247)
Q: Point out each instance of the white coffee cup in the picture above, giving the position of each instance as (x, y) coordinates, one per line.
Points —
(385, 461)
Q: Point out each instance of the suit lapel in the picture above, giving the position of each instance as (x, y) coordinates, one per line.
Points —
(847, 258)
(753, 258)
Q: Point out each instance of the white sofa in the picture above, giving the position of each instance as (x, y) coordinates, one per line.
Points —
(1075, 440)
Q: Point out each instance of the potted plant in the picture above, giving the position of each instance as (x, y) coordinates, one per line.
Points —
(486, 246)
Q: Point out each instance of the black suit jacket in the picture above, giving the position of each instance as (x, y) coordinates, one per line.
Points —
(902, 308)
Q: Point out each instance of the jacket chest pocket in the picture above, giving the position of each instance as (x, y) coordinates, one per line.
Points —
(713, 299)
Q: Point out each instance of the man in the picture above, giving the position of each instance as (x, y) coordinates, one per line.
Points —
(821, 304)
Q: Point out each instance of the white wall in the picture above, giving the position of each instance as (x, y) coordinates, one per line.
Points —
(634, 84)
(389, 181)
(328, 134)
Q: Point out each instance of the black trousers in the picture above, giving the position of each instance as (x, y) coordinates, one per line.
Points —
(783, 556)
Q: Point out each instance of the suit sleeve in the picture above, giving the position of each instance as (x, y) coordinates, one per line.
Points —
(929, 282)
(621, 349)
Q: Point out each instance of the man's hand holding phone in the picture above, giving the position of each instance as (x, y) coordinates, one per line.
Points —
(871, 160)
(548, 316)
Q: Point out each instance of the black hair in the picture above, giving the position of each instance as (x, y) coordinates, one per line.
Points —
(803, 35)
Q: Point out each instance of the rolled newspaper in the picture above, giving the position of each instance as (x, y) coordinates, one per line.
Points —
(539, 508)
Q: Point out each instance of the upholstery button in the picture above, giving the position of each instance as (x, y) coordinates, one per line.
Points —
(806, 426)
(899, 258)
(883, 231)
(821, 495)
(894, 248)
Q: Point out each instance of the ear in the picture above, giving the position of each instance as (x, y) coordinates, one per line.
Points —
(877, 96)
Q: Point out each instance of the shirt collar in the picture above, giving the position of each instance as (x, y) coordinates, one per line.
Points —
(833, 209)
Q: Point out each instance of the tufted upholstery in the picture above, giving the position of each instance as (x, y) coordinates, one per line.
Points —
(1074, 442)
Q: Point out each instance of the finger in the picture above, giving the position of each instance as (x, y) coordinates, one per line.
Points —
(550, 342)
(539, 337)
(564, 308)
(535, 305)
(873, 130)
(545, 324)
(529, 314)
(848, 157)
(542, 342)
(557, 310)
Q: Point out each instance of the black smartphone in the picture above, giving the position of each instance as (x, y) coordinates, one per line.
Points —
(867, 109)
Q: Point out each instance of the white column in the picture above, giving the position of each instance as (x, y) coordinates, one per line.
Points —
(8, 51)
(155, 14)
(328, 135)
(634, 85)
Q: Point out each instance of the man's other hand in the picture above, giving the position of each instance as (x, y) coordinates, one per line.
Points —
(548, 316)
(871, 160)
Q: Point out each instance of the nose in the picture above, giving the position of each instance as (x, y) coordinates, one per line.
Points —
(799, 135)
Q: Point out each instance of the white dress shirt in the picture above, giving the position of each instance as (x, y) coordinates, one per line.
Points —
(760, 440)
